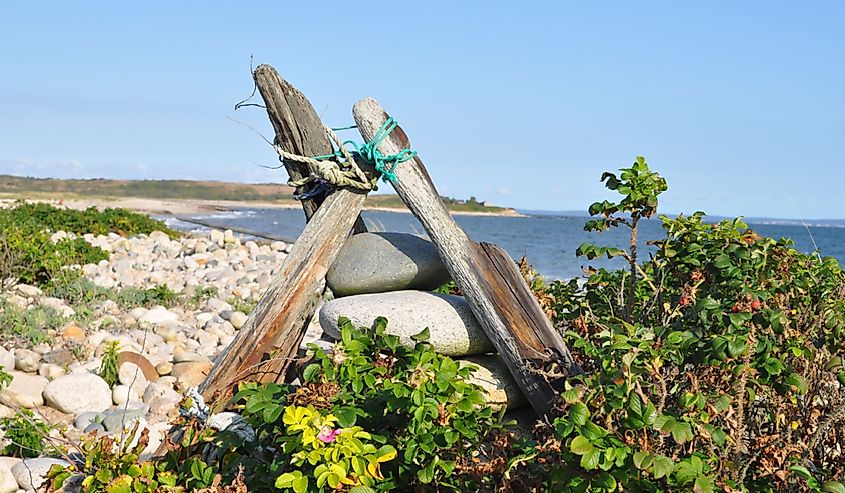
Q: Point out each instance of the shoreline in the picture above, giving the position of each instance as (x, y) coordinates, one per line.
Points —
(177, 207)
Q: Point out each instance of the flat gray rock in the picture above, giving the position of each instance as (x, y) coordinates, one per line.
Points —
(380, 262)
(454, 330)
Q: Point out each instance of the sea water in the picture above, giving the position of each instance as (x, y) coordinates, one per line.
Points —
(548, 240)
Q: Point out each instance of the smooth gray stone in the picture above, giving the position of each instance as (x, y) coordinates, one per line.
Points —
(454, 331)
(380, 262)
(119, 418)
(31, 473)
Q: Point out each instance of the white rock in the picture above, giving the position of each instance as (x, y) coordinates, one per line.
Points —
(77, 393)
(121, 394)
(7, 359)
(217, 237)
(26, 360)
(8, 483)
(25, 390)
(31, 473)
(28, 291)
(453, 329)
(237, 319)
(158, 315)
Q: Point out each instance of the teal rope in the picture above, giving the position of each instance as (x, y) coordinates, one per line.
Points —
(338, 129)
(386, 165)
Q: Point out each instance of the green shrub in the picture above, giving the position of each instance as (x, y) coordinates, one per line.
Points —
(40, 216)
(25, 434)
(108, 366)
(721, 371)
(28, 254)
(112, 466)
(416, 400)
(79, 291)
(28, 327)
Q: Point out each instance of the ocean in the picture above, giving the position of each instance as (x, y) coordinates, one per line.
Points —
(547, 239)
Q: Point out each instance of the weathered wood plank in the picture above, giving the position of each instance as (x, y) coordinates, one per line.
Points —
(298, 129)
(499, 297)
(265, 345)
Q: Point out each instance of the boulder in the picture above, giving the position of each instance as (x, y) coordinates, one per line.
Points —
(453, 329)
(494, 377)
(25, 390)
(77, 393)
(379, 262)
(31, 473)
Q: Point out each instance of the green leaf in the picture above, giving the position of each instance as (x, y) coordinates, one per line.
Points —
(426, 474)
(580, 445)
(300, 485)
(423, 336)
(833, 487)
(362, 489)
(662, 466)
(702, 485)
(590, 460)
(579, 413)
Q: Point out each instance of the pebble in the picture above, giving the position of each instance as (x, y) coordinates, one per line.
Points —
(28, 290)
(7, 359)
(78, 392)
(454, 331)
(8, 483)
(238, 319)
(26, 360)
(25, 390)
(158, 315)
(30, 474)
(191, 373)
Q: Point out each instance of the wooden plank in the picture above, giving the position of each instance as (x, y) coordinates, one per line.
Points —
(498, 295)
(264, 347)
(298, 130)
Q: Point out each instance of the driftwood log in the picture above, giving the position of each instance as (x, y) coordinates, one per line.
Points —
(267, 343)
(492, 284)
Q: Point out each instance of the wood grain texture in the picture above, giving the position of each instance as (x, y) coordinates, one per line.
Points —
(265, 346)
(499, 297)
(298, 130)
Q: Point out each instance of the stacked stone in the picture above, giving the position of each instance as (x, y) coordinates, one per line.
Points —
(393, 275)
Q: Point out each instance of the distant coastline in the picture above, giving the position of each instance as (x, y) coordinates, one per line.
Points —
(179, 197)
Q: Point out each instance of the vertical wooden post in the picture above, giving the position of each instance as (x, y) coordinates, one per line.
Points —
(498, 295)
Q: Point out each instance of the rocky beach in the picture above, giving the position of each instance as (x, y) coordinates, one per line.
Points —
(211, 281)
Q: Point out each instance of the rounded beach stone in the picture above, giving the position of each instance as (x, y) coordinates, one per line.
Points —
(25, 390)
(31, 473)
(77, 393)
(453, 328)
(379, 262)
(494, 377)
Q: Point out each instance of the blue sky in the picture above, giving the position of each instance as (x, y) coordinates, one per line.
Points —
(739, 104)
